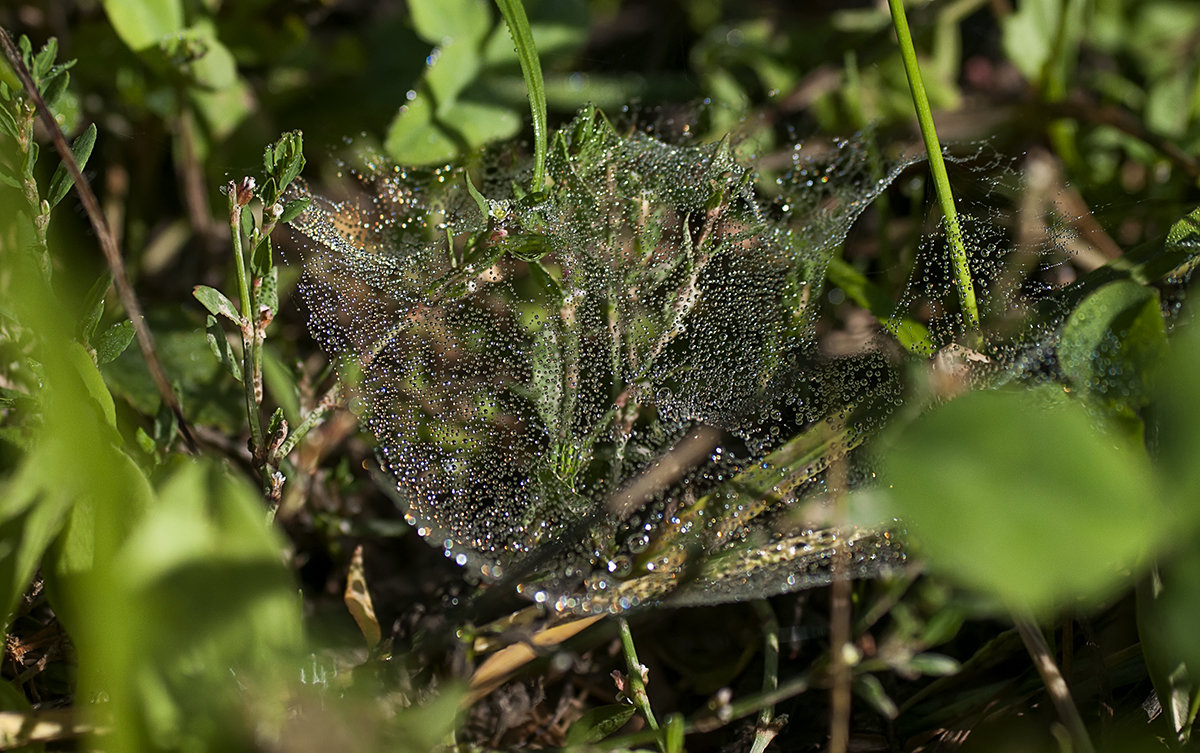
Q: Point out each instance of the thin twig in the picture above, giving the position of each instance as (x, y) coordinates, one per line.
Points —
(839, 621)
(108, 244)
(1056, 686)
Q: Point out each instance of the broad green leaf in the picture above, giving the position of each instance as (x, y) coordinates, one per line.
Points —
(215, 68)
(416, 136)
(1112, 342)
(1024, 498)
(142, 23)
(223, 111)
(455, 65)
(598, 723)
(439, 20)
(559, 30)
(113, 341)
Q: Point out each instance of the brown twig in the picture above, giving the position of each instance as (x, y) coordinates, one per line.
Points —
(108, 244)
(1056, 686)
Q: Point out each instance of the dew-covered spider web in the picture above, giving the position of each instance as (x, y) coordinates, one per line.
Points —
(610, 393)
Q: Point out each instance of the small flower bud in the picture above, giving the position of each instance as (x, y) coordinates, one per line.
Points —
(243, 191)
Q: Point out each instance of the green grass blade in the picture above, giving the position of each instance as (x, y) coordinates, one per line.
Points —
(937, 166)
(531, 67)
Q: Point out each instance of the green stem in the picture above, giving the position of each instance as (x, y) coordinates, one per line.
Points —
(937, 166)
(518, 26)
(767, 727)
(637, 685)
(249, 341)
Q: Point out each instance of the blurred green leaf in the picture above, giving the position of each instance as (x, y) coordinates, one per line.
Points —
(1166, 617)
(439, 20)
(143, 23)
(1112, 342)
(92, 381)
(281, 384)
(1025, 499)
(195, 591)
(870, 689)
(417, 137)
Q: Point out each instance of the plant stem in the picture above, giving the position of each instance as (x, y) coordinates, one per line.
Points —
(768, 726)
(249, 340)
(937, 166)
(637, 684)
(531, 68)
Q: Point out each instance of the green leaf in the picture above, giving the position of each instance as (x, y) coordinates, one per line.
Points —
(216, 302)
(44, 60)
(1185, 234)
(485, 210)
(547, 364)
(870, 689)
(1112, 342)
(215, 68)
(457, 64)
(268, 292)
(61, 181)
(436, 21)
(1024, 498)
(281, 384)
(937, 665)
(94, 306)
(528, 247)
(29, 522)
(218, 343)
(1167, 614)
(7, 123)
(89, 375)
(1174, 420)
(283, 161)
(113, 342)
(293, 208)
(416, 136)
(598, 723)
(142, 23)
(54, 90)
